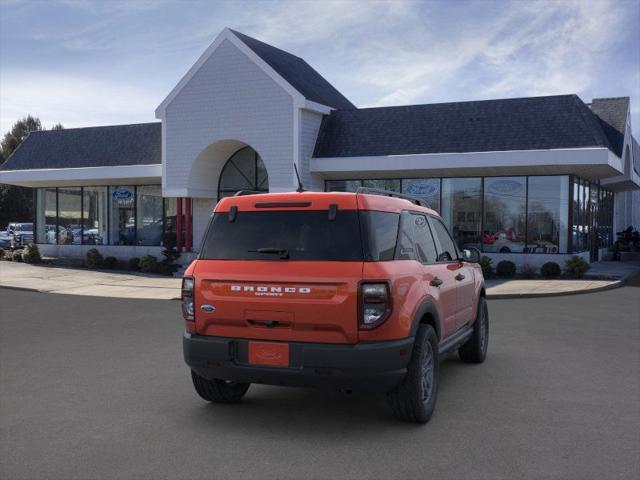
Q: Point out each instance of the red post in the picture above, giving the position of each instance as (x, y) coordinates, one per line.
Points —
(187, 225)
(179, 224)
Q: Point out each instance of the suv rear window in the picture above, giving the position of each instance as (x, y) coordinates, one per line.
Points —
(306, 235)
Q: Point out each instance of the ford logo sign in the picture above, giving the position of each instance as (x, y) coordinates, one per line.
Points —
(422, 189)
(505, 187)
(122, 194)
(208, 308)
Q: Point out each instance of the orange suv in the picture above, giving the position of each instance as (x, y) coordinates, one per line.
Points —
(357, 291)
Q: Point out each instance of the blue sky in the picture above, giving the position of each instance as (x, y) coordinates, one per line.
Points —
(84, 63)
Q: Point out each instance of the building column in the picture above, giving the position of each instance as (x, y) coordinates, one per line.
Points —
(179, 224)
(187, 225)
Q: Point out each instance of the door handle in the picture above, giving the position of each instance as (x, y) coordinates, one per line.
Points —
(436, 282)
(459, 277)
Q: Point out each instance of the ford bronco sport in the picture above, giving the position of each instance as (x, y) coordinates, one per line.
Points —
(357, 291)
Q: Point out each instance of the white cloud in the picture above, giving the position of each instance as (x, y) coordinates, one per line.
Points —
(72, 101)
(385, 52)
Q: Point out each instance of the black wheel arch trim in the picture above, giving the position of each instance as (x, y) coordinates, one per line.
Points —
(426, 308)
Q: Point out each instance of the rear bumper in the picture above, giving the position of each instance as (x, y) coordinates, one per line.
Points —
(365, 367)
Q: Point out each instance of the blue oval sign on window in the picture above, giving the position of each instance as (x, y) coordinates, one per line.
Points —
(122, 194)
(422, 189)
(505, 187)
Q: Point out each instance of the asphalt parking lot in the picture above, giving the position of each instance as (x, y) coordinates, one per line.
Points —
(96, 388)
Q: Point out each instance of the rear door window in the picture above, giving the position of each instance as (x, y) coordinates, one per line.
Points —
(379, 234)
(447, 251)
(306, 235)
(425, 245)
(415, 241)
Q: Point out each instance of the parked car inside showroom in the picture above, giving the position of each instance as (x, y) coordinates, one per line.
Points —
(19, 234)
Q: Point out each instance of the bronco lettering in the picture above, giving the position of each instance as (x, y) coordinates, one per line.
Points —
(266, 289)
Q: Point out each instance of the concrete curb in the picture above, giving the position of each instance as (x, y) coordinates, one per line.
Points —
(506, 296)
(27, 289)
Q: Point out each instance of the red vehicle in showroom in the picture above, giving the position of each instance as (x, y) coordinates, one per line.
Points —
(357, 291)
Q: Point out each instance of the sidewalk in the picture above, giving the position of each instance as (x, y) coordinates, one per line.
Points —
(77, 281)
(601, 276)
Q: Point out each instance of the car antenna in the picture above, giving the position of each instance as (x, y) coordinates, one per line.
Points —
(300, 188)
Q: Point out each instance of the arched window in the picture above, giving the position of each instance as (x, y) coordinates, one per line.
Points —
(243, 171)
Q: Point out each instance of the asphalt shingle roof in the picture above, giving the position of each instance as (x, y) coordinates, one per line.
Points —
(612, 113)
(551, 122)
(138, 144)
(298, 73)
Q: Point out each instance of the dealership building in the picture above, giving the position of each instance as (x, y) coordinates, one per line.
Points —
(526, 179)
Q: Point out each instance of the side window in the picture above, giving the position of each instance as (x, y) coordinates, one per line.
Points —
(447, 251)
(379, 233)
(406, 244)
(424, 241)
(415, 241)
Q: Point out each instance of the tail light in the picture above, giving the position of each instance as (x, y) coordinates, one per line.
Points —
(375, 304)
(187, 298)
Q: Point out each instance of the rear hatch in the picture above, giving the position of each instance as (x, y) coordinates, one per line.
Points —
(280, 270)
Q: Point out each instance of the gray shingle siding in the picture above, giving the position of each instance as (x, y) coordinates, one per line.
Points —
(298, 73)
(109, 146)
(552, 122)
(612, 114)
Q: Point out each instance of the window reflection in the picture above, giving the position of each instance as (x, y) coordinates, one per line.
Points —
(461, 210)
(505, 203)
(149, 215)
(69, 216)
(46, 216)
(427, 189)
(547, 214)
(94, 216)
(343, 185)
(391, 185)
(122, 222)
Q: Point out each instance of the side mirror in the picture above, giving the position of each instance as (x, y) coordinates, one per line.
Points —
(471, 254)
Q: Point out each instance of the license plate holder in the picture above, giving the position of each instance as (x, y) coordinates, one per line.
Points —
(272, 354)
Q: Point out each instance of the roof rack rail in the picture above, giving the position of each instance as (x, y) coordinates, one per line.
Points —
(388, 193)
(242, 193)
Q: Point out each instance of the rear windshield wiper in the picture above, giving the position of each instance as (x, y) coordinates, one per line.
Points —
(283, 252)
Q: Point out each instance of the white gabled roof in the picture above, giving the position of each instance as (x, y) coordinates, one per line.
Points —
(241, 44)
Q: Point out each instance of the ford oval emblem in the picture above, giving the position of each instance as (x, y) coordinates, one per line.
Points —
(423, 189)
(122, 194)
(208, 308)
(505, 187)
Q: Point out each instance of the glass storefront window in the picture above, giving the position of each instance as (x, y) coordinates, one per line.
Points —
(70, 216)
(461, 210)
(392, 185)
(505, 200)
(245, 170)
(427, 189)
(342, 185)
(521, 214)
(122, 222)
(149, 215)
(170, 225)
(547, 215)
(94, 215)
(46, 216)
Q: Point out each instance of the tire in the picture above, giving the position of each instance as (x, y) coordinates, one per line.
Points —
(505, 250)
(475, 349)
(219, 391)
(414, 400)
